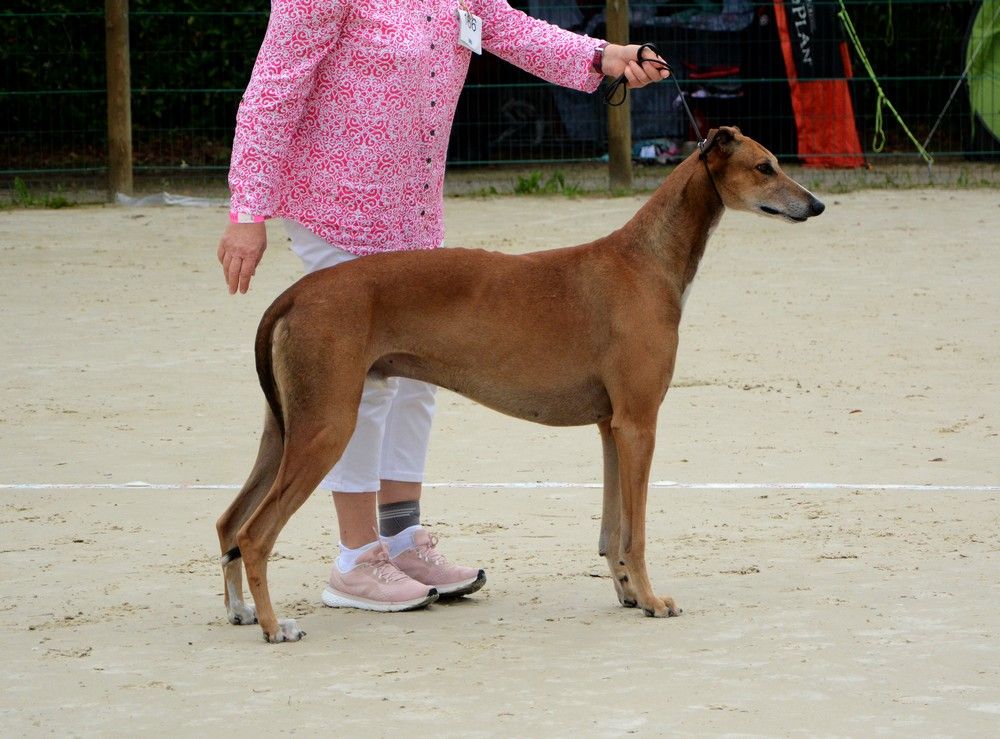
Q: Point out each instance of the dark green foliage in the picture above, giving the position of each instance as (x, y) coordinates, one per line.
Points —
(190, 63)
(917, 51)
(191, 60)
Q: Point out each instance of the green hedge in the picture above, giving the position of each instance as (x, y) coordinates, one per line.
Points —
(191, 60)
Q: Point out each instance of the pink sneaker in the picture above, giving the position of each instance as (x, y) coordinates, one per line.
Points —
(376, 584)
(424, 563)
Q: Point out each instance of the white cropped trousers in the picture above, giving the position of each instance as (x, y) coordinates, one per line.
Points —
(394, 421)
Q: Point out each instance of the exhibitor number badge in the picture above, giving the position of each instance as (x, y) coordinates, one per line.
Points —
(470, 31)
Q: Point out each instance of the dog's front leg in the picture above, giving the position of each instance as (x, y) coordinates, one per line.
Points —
(634, 442)
(609, 545)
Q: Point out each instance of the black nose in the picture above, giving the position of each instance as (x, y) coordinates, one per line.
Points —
(816, 207)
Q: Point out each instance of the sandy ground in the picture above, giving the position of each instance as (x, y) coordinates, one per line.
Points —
(861, 348)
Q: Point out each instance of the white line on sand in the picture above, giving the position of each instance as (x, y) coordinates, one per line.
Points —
(140, 485)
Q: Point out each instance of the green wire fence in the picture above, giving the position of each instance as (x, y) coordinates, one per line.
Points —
(191, 60)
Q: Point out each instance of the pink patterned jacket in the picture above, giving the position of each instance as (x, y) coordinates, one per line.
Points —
(344, 125)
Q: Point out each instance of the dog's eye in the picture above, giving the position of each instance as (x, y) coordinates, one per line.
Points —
(765, 168)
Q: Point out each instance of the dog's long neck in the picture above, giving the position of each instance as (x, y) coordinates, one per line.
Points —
(676, 222)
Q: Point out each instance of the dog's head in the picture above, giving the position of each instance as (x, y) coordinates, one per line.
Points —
(747, 177)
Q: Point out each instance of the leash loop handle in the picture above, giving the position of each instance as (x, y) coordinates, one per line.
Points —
(621, 81)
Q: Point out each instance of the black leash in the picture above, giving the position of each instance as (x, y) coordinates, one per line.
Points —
(621, 83)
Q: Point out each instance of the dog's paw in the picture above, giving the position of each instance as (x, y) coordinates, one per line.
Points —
(288, 630)
(625, 592)
(241, 614)
(662, 608)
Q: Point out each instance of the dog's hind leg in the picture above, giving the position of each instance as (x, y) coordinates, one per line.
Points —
(258, 483)
(634, 439)
(309, 453)
(609, 545)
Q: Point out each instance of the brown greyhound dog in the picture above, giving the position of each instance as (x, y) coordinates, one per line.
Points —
(572, 336)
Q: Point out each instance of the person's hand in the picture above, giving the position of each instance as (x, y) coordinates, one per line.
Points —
(618, 60)
(240, 251)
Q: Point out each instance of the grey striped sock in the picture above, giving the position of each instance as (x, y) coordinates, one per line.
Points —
(394, 517)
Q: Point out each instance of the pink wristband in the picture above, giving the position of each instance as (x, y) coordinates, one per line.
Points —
(235, 217)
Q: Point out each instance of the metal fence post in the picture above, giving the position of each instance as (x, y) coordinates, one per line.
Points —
(619, 117)
(119, 98)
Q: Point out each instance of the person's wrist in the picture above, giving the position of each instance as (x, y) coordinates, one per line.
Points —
(597, 61)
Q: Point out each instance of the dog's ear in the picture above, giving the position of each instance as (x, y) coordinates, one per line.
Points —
(727, 134)
(725, 138)
(722, 138)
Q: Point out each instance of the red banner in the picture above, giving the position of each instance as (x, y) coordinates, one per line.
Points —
(818, 67)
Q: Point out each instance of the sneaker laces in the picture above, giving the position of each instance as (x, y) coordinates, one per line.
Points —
(384, 569)
(429, 553)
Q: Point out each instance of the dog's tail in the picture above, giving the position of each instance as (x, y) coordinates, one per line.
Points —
(264, 351)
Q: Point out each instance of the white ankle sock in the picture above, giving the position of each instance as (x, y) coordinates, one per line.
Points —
(401, 542)
(347, 560)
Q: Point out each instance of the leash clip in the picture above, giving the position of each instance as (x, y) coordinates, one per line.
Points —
(706, 144)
